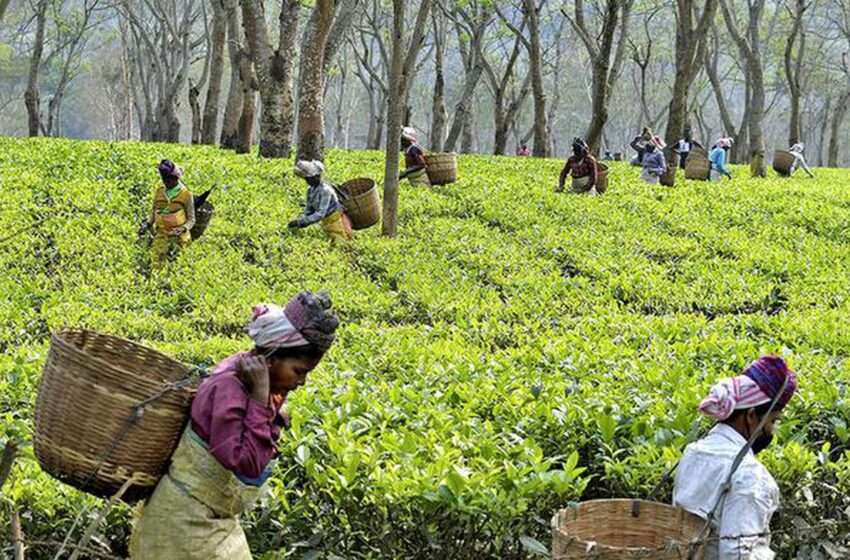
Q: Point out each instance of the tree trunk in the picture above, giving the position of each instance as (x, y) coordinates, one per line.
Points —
(32, 99)
(402, 67)
(197, 118)
(824, 126)
(438, 104)
(211, 104)
(233, 106)
(837, 119)
(793, 72)
(248, 80)
(274, 73)
(530, 11)
(311, 106)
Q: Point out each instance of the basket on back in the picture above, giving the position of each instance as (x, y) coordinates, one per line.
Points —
(441, 168)
(625, 530)
(362, 204)
(601, 177)
(782, 162)
(697, 166)
(203, 213)
(85, 433)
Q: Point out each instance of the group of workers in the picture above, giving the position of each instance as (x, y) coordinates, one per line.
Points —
(229, 448)
(173, 212)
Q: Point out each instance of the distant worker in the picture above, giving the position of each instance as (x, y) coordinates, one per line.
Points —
(414, 159)
(582, 166)
(718, 158)
(523, 151)
(653, 164)
(639, 144)
(683, 147)
(740, 526)
(322, 204)
(173, 213)
(799, 161)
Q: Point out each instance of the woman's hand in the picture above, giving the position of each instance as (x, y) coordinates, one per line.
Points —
(178, 231)
(254, 373)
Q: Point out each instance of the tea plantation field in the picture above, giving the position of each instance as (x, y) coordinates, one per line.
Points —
(512, 350)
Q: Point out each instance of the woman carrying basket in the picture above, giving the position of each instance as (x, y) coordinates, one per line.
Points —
(173, 213)
(322, 204)
(740, 526)
(416, 168)
(228, 449)
(718, 157)
(582, 166)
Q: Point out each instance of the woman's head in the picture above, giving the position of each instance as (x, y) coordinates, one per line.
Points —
(408, 136)
(646, 135)
(310, 171)
(580, 148)
(170, 173)
(294, 338)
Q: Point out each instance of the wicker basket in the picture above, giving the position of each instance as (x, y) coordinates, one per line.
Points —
(601, 177)
(782, 162)
(442, 168)
(203, 215)
(624, 530)
(85, 433)
(361, 202)
(697, 166)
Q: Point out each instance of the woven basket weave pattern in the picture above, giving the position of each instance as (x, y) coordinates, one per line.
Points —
(697, 166)
(601, 177)
(442, 168)
(87, 394)
(659, 532)
(782, 162)
(361, 202)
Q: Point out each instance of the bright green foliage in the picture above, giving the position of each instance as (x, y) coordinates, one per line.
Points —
(511, 351)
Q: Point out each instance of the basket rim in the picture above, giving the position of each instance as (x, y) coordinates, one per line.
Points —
(556, 527)
(69, 346)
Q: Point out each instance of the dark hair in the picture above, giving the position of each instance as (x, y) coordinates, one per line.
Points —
(310, 351)
(761, 410)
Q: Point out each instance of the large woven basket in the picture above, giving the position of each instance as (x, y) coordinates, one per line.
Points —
(203, 215)
(441, 168)
(697, 166)
(782, 162)
(361, 202)
(87, 432)
(625, 530)
(601, 177)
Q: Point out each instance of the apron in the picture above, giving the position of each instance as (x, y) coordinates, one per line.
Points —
(337, 226)
(580, 184)
(170, 212)
(648, 177)
(419, 178)
(194, 512)
(715, 176)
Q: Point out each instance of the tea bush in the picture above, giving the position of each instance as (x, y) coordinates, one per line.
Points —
(512, 350)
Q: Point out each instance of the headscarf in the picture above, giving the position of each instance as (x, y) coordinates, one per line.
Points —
(307, 319)
(797, 148)
(580, 147)
(757, 385)
(646, 135)
(169, 169)
(724, 143)
(306, 169)
(409, 133)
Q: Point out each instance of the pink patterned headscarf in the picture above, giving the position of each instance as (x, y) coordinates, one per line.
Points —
(308, 319)
(270, 328)
(731, 394)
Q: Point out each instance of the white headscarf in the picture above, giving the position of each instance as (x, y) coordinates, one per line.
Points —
(305, 169)
(798, 148)
(409, 133)
(731, 394)
(724, 143)
(270, 328)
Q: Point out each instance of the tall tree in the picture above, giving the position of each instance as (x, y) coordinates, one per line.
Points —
(235, 50)
(274, 72)
(793, 66)
(311, 121)
(749, 45)
(402, 69)
(32, 98)
(691, 29)
(606, 60)
(438, 102)
(216, 71)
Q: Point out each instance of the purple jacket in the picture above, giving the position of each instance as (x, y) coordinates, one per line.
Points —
(240, 432)
(654, 162)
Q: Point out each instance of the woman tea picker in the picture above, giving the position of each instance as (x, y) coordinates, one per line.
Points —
(799, 159)
(414, 159)
(322, 204)
(718, 157)
(741, 524)
(228, 449)
(173, 213)
(653, 164)
(582, 166)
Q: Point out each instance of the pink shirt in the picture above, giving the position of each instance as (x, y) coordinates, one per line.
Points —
(240, 432)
